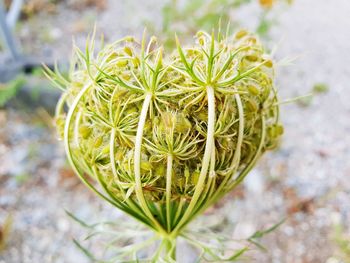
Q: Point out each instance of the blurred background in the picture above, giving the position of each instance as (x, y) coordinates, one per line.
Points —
(306, 180)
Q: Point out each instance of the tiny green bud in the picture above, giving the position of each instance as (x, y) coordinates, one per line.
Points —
(195, 177)
(126, 76)
(160, 170)
(320, 88)
(252, 105)
(119, 155)
(252, 58)
(253, 90)
(241, 34)
(122, 63)
(128, 50)
(129, 39)
(85, 131)
(136, 62)
(146, 166)
(182, 123)
(105, 150)
(268, 63)
(98, 142)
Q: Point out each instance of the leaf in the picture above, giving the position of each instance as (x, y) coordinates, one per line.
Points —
(10, 89)
(84, 250)
(264, 26)
(257, 244)
(261, 233)
(55, 77)
(129, 192)
(81, 222)
(189, 69)
(237, 254)
(169, 13)
(193, 5)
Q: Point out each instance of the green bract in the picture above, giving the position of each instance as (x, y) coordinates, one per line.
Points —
(166, 136)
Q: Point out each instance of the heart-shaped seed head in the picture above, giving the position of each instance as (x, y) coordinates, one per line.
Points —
(165, 136)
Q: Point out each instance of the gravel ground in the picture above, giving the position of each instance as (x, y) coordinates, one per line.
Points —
(305, 180)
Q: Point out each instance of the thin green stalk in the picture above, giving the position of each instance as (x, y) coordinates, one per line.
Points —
(60, 104)
(250, 166)
(70, 114)
(168, 190)
(237, 154)
(137, 163)
(206, 194)
(170, 248)
(179, 209)
(206, 160)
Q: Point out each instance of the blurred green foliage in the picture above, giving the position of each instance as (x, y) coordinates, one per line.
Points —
(320, 88)
(342, 241)
(9, 90)
(187, 17)
(317, 89)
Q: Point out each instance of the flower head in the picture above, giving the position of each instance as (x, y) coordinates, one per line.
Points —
(166, 136)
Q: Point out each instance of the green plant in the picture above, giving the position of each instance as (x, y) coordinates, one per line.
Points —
(167, 136)
(208, 234)
(342, 241)
(10, 89)
(320, 88)
(187, 16)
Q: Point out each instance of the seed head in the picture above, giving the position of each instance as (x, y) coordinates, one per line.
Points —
(166, 136)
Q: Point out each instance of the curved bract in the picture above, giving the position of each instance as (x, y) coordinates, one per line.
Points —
(166, 136)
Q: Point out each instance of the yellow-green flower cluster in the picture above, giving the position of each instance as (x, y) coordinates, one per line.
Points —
(165, 136)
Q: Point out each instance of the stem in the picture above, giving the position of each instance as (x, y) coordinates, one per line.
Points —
(212, 175)
(170, 248)
(287, 101)
(168, 190)
(250, 166)
(68, 150)
(81, 175)
(237, 154)
(207, 193)
(179, 209)
(205, 162)
(137, 163)
(60, 104)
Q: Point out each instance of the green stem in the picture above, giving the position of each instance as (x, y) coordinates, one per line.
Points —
(67, 131)
(168, 190)
(237, 155)
(137, 164)
(170, 248)
(250, 166)
(205, 162)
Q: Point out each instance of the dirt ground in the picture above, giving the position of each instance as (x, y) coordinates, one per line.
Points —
(305, 181)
